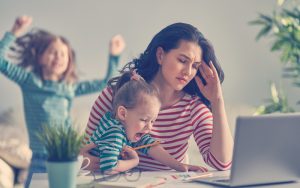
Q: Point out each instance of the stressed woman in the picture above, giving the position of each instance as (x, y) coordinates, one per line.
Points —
(181, 64)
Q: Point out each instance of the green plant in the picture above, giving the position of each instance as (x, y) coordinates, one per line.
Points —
(62, 143)
(278, 103)
(284, 27)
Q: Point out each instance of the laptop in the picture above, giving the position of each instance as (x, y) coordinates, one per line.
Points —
(266, 151)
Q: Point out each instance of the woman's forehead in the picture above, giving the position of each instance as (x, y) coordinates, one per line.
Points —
(189, 50)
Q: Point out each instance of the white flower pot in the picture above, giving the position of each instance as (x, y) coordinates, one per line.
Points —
(62, 174)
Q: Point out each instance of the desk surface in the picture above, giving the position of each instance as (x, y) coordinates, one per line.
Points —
(40, 180)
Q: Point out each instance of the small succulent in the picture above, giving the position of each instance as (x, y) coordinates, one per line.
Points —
(62, 142)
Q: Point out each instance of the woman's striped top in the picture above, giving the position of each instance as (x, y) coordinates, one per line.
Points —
(174, 126)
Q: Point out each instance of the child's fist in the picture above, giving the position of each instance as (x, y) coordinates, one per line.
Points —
(116, 45)
(129, 153)
(21, 24)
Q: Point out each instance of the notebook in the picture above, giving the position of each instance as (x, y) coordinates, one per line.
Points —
(266, 151)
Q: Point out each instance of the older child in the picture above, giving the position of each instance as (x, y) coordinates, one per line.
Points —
(134, 109)
(182, 64)
(50, 83)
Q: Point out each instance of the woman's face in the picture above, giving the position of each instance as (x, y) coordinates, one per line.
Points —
(55, 59)
(180, 65)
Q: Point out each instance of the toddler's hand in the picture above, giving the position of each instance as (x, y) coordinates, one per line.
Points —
(94, 161)
(21, 24)
(116, 45)
(129, 153)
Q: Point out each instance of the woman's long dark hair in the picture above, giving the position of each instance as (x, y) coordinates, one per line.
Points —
(168, 39)
(30, 47)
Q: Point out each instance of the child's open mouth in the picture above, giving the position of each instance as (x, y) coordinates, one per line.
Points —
(138, 136)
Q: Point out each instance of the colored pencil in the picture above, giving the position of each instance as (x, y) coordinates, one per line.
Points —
(147, 145)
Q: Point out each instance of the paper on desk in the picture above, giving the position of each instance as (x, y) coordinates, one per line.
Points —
(183, 176)
(121, 182)
(154, 179)
(139, 184)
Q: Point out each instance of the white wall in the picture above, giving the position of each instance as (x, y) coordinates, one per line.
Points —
(248, 65)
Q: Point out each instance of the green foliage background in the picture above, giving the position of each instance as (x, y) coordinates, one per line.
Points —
(283, 26)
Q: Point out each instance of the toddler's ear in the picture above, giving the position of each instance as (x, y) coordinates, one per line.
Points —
(121, 113)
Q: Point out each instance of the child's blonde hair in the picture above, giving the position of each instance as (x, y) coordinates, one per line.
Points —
(128, 90)
(32, 46)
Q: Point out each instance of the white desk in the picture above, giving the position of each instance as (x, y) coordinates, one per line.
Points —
(40, 180)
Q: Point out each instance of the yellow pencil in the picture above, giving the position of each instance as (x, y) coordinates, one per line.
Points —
(147, 145)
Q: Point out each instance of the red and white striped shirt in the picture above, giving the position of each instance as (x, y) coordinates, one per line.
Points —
(173, 126)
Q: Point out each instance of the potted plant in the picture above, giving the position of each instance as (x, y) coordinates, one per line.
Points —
(62, 144)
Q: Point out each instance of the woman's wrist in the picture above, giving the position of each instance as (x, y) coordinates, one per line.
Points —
(217, 101)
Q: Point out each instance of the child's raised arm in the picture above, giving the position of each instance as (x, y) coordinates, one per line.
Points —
(12, 71)
(21, 24)
(116, 47)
